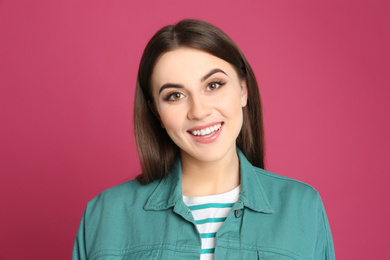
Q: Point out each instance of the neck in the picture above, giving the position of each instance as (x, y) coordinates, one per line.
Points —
(201, 178)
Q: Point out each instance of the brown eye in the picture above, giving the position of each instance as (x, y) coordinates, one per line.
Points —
(214, 85)
(175, 96)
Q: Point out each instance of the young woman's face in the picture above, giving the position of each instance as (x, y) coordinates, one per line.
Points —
(199, 98)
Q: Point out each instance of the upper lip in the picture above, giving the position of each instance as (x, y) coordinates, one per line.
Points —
(203, 126)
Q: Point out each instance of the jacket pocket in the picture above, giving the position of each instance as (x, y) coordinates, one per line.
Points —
(277, 255)
(118, 255)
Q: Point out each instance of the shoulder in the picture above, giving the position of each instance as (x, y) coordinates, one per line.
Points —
(273, 186)
(282, 182)
(282, 191)
(130, 194)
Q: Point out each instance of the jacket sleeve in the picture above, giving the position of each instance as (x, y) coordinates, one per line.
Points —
(79, 250)
(324, 245)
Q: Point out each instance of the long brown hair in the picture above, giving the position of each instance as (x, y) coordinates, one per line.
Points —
(156, 150)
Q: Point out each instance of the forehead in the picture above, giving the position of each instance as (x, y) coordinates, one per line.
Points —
(184, 63)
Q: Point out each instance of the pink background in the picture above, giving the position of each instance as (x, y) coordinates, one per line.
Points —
(67, 77)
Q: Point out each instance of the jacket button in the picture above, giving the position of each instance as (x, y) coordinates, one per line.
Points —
(238, 213)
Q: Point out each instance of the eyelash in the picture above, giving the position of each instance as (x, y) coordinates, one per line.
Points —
(169, 97)
(220, 84)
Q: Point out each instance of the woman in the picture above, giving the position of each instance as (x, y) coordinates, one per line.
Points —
(203, 192)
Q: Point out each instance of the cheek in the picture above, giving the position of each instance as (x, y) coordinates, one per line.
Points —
(171, 119)
(232, 105)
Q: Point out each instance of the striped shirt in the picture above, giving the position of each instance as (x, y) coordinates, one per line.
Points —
(209, 213)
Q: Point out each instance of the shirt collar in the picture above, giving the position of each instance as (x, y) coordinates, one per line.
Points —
(168, 192)
(252, 193)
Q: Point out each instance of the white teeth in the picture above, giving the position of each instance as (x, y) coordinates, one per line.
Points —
(207, 130)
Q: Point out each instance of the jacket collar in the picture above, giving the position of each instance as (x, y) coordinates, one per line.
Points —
(168, 192)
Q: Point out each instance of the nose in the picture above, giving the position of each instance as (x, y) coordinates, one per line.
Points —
(198, 108)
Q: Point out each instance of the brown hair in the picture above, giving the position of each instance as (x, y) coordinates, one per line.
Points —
(156, 150)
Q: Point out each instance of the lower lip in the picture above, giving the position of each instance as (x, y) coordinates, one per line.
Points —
(208, 138)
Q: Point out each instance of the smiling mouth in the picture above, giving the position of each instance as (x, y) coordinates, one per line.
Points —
(207, 131)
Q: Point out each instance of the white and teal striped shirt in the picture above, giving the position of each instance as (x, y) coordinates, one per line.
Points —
(209, 213)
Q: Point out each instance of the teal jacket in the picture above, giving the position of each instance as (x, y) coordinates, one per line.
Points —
(274, 218)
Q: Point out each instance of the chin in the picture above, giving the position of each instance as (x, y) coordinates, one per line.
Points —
(210, 155)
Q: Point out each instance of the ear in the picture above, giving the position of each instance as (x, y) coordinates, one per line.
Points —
(244, 93)
(155, 112)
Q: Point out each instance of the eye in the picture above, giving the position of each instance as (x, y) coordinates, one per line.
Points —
(214, 85)
(174, 96)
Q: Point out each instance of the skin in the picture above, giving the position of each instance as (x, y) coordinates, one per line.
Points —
(192, 89)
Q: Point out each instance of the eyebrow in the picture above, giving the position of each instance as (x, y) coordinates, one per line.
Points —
(213, 71)
(205, 77)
